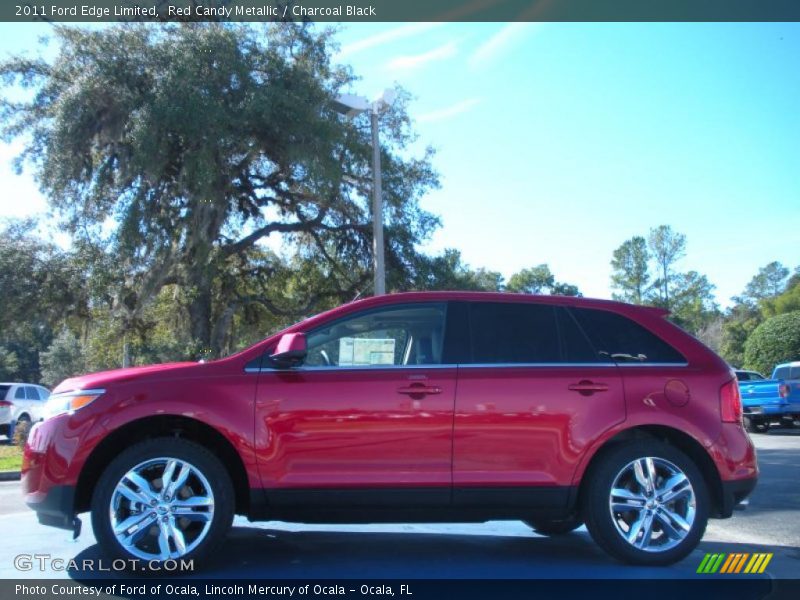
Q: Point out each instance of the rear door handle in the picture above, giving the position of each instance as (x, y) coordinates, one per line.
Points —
(587, 388)
(419, 389)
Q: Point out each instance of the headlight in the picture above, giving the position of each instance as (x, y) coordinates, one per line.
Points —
(69, 402)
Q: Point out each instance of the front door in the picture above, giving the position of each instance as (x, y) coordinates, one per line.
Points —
(367, 419)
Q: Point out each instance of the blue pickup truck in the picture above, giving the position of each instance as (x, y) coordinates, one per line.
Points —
(768, 400)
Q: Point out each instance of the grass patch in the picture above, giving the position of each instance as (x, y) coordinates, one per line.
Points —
(10, 458)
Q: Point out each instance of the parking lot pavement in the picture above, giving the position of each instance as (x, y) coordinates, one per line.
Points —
(497, 549)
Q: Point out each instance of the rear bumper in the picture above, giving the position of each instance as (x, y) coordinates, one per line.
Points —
(734, 492)
(767, 410)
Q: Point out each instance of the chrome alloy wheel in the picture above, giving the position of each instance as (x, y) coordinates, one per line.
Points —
(652, 504)
(162, 508)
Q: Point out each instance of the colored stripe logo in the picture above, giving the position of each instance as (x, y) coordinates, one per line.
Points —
(737, 562)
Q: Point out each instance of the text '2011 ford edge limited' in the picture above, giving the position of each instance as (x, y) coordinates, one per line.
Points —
(448, 406)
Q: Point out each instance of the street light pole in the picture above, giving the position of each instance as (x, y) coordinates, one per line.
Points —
(350, 106)
(377, 210)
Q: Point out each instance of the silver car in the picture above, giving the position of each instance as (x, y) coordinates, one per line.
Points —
(21, 402)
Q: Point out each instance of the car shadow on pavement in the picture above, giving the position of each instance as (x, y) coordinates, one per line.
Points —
(262, 553)
(780, 430)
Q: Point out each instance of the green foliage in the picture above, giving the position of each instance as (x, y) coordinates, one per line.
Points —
(765, 295)
(740, 322)
(41, 288)
(447, 271)
(631, 276)
(198, 159)
(688, 296)
(692, 305)
(666, 247)
(767, 283)
(539, 280)
(788, 301)
(63, 359)
(9, 365)
(775, 341)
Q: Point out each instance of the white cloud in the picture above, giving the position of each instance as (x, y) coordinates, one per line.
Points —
(449, 111)
(414, 61)
(499, 43)
(385, 37)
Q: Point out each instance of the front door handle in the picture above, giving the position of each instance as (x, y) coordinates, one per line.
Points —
(587, 388)
(419, 389)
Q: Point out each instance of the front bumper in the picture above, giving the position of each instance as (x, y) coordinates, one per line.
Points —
(56, 507)
(48, 482)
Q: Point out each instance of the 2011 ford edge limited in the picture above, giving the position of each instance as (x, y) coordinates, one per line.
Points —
(417, 407)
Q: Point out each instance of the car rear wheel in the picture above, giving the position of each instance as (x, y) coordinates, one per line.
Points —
(756, 425)
(551, 527)
(646, 503)
(165, 498)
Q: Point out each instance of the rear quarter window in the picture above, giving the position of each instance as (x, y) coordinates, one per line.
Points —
(623, 340)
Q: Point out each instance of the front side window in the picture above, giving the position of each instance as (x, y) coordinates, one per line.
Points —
(622, 340)
(514, 333)
(31, 393)
(405, 335)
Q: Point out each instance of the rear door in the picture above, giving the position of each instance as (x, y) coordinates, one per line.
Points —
(532, 394)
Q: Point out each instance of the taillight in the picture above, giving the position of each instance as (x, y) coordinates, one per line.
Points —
(5, 404)
(730, 403)
(783, 390)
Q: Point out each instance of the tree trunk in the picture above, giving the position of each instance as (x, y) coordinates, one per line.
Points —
(200, 321)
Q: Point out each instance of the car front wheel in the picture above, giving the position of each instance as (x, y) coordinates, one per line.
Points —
(646, 503)
(165, 498)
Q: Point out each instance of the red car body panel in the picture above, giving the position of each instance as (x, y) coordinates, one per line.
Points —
(488, 426)
(499, 411)
(370, 436)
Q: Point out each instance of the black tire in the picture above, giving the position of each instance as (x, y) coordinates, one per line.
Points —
(554, 527)
(201, 460)
(756, 425)
(602, 525)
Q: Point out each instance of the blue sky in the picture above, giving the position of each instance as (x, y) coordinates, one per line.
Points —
(557, 142)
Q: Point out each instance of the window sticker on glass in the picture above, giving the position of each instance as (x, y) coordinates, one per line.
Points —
(366, 351)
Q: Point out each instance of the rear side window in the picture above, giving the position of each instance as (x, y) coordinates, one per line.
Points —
(781, 373)
(794, 372)
(575, 346)
(513, 333)
(620, 339)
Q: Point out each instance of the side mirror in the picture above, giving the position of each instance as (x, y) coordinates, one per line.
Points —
(290, 352)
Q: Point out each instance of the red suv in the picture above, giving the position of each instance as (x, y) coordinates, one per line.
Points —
(409, 407)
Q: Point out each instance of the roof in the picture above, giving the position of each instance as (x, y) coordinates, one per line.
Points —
(508, 297)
